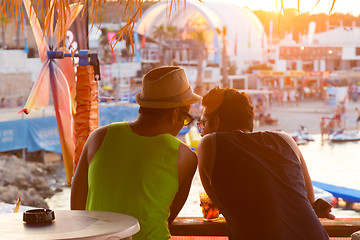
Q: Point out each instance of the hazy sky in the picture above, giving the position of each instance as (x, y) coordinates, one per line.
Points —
(344, 6)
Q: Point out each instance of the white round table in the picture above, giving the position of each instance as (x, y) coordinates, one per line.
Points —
(70, 224)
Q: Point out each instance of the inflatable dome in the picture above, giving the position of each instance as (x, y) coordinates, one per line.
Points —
(245, 38)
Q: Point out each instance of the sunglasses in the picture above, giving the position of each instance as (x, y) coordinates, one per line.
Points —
(201, 124)
(188, 118)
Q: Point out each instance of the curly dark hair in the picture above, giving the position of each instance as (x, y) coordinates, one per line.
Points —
(231, 106)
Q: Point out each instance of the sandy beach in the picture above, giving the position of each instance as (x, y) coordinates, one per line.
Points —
(308, 113)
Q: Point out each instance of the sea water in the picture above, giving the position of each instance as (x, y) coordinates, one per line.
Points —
(332, 163)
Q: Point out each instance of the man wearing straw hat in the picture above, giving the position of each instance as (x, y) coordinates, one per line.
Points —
(139, 168)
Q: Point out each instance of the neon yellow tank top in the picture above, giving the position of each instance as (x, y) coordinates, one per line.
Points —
(137, 176)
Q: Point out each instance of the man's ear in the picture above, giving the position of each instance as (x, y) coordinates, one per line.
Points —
(216, 122)
(174, 115)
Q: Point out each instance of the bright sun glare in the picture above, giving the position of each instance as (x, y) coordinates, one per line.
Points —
(324, 6)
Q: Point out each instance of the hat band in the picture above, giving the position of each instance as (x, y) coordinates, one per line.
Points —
(178, 98)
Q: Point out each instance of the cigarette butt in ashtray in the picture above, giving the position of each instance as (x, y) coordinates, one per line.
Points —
(18, 202)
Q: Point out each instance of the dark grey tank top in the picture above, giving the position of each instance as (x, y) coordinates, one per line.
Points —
(258, 182)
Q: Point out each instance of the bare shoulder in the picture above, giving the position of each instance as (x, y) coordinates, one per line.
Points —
(186, 154)
(287, 137)
(187, 163)
(206, 142)
(205, 150)
(99, 132)
(292, 143)
(94, 141)
(207, 139)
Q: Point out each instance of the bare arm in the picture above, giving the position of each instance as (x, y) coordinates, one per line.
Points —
(187, 162)
(206, 156)
(308, 182)
(320, 206)
(79, 186)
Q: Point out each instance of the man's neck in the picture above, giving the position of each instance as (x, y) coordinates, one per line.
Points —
(148, 127)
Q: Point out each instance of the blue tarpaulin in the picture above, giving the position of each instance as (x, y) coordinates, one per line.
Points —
(117, 114)
(347, 194)
(42, 133)
(13, 135)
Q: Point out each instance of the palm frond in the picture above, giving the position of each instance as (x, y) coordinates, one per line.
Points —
(298, 4)
(13, 10)
(317, 3)
(332, 6)
(282, 8)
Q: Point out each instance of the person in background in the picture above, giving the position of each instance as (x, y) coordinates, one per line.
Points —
(323, 128)
(330, 128)
(8, 104)
(139, 168)
(358, 118)
(258, 180)
(19, 101)
(3, 102)
(343, 114)
(337, 116)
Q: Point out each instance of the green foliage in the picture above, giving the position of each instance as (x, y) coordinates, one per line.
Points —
(198, 36)
(160, 32)
(171, 32)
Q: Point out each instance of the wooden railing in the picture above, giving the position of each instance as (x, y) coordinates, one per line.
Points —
(196, 226)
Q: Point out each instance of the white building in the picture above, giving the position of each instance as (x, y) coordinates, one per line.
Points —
(333, 50)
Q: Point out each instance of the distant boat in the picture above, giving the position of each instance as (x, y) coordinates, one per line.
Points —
(302, 136)
(345, 136)
(299, 141)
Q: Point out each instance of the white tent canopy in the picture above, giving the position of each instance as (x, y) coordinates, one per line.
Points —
(246, 39)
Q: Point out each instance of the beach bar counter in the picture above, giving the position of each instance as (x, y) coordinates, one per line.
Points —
(340, 228)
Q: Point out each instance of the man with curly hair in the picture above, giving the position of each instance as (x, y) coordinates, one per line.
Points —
(258, 180)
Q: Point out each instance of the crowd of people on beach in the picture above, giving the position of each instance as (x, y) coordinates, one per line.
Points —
(337, 121)
(7, 103)
(262, 117)
(148, 172)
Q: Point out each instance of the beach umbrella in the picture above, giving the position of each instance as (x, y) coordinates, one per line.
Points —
(58, 74)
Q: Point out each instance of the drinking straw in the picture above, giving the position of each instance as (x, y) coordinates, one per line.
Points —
(17, 205)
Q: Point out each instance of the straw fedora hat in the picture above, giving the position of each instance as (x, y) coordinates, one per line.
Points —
(166, 87)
